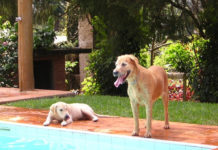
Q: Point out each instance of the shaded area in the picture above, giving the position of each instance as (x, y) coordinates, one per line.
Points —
(181, 132)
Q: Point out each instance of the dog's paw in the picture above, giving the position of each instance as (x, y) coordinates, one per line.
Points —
(63, 123)
(166, 127)
(147, 135)
(135, 133)
(95, 119)
(46, 123)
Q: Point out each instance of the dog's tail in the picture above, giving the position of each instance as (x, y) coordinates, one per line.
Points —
(106, 116)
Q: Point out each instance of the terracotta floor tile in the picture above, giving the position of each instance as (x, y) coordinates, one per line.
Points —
(13, 94)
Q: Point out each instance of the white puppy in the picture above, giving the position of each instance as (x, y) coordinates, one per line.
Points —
(67, 113)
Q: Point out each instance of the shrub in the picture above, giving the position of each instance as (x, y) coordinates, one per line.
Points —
(43, 36)
(198, 60)
(69, 66)
(90, 86)
(8, 54)
(144, 58)
(204, 78)
(176, 57)
(99, 75)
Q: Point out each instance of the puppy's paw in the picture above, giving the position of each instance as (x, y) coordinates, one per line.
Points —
(63, 123)
(46, 123)
(166, 126)
(95, 119)
(134, 133)
(148, 135)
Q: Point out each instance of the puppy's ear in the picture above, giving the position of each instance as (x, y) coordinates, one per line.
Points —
(53, 108)
(66, 106)
(134, 59)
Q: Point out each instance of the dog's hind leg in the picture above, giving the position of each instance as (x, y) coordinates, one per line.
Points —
(90, 115)
(165, 98)
(165, 103)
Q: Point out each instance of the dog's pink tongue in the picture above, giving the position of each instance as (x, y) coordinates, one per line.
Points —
(118, 82)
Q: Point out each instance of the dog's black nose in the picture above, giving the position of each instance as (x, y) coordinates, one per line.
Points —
(115, 73)
(66, 117)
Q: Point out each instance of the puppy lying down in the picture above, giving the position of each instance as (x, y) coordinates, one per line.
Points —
(67, 113)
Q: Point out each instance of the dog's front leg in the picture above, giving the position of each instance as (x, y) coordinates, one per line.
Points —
(135, 112)
(48, 119)
(148, 120)
(66, 122)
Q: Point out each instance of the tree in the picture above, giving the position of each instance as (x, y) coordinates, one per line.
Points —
(122, 22)
(42, 10)
(204, 16)
(8, 10)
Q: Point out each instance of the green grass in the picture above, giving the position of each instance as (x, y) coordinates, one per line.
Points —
(189, 112)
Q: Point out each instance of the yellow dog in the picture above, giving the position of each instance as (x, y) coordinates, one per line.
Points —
(144, 87)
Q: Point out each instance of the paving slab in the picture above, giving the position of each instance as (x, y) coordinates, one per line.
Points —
(14, 94)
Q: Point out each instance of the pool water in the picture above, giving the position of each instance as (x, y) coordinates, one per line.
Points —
(15, 136)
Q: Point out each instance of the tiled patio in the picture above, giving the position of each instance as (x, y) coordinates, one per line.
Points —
(13, 94)
(181, 132)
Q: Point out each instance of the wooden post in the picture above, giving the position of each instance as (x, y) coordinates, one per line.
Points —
(25, 45)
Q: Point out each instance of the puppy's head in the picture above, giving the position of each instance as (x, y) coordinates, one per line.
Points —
(125, 66)
(60, 110)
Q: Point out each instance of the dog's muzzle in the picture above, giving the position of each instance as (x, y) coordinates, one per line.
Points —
(115, 73)
(66, 117)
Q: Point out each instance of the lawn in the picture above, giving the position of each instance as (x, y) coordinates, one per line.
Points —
(189, 112)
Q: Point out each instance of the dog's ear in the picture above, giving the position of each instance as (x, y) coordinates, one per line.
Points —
(134, 59)
(53, 108)
(66, 107)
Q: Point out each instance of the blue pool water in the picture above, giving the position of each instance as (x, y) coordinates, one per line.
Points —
(29, 137)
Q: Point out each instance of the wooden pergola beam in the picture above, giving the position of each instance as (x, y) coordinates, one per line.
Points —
(25, 45)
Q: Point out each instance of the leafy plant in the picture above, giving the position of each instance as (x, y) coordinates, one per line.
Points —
(99, 75)
(193, 59)
(90, 87)
(69, 66)
(43, 36)
(8, 54)
(144, 58)
(179, 57)
(204, 77)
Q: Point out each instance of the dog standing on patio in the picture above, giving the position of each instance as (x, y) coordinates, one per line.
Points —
(144, 87)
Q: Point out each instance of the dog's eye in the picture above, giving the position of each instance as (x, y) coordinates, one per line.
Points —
(123, 64)
(61, 109)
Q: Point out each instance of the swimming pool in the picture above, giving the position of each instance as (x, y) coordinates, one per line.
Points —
(16, 136)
